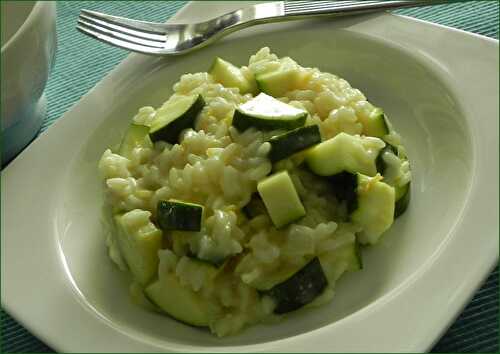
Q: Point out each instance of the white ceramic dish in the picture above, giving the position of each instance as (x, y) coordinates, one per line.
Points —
(28, 53)
(442, 95)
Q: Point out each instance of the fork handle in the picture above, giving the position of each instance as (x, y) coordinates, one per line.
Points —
(294, 10)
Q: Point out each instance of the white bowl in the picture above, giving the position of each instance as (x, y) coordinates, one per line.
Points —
(28, 50)
(55, 270)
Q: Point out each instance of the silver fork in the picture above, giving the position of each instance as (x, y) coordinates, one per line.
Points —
(170, 39)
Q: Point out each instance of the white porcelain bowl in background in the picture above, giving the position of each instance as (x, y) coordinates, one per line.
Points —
(28, 53)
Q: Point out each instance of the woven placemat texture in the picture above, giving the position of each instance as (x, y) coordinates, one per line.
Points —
(82, 62)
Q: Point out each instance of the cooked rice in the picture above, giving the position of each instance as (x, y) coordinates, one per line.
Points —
(219, 167)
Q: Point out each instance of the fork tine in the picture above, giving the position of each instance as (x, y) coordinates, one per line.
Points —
(121, 36)
(125, 30)
(149, 27)
(118, 42)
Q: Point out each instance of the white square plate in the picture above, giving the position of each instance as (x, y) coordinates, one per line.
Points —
(438, 85)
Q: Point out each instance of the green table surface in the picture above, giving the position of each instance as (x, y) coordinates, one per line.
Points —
(81, 62)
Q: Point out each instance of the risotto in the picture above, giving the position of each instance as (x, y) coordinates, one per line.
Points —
(250, 191)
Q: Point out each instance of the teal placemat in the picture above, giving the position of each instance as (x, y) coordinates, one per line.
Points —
(81, 62)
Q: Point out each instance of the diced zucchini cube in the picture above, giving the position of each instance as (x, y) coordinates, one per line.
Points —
(230, 75)
(139, 241)
(179, 215)
(345, 152)
(281, 199)
(375, 212)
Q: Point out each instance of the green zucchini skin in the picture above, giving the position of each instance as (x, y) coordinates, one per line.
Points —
(376, 124)
(267, 113)
(170, 132)
(386, 123)
(175, 215)
(403, 194)
(344, 186)
(403, 202)
(218, 262)
(300, 289)
(379, 162)
(296, 140)
(359, 254)
(382, 128)
(242, 122)
(255, 207)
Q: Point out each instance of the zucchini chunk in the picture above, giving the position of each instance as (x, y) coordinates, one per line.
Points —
(381, 164)
(375, 124)
(139, 241)
(389, 165)
(267, 113)
(344, 152)
(136, 136)
(230, 75)
(344, 186)
(370, 203)
(334, 263)
(178, 301)
(286, 77)
(268, 281)
(403, 196)
(300, 289)
(296, 140)
(281, 199)
(179, 215)
(175, 116)
(375, 211)
(180, 245)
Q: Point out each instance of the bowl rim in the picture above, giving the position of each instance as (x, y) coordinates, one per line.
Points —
(28, 21)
